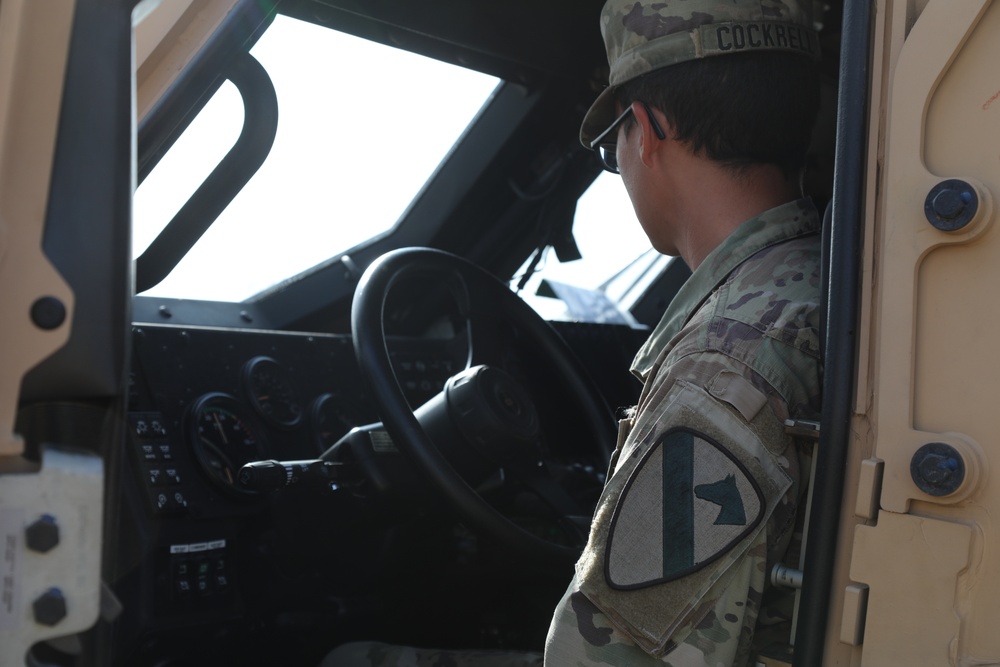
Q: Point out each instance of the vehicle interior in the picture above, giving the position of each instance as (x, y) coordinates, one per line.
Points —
(380, 290)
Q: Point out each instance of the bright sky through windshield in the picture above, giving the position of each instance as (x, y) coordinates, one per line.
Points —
(354, 145)
(361, 128)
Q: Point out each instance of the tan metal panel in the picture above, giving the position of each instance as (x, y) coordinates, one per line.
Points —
(906, 239)
(34, 43)
(913, 563)
(932, 372)
(957, 363)
(168, 38)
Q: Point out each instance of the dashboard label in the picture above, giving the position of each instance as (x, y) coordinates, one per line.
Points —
(196, 547)
(382, 443)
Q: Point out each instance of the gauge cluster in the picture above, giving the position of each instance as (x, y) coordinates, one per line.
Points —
(205, 401)
(221, 398)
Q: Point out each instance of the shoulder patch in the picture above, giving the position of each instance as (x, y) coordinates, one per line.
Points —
(686, 504)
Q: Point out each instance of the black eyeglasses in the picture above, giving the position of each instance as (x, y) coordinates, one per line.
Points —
(606, 143)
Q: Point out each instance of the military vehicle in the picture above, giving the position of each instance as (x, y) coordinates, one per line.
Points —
(220, 454)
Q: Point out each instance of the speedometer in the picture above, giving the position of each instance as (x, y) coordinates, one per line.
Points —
(224, 438)
(271, 393)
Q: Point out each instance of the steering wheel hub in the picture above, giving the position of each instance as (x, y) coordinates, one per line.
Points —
(493, 412)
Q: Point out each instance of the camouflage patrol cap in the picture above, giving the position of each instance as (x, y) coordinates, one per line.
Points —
(645, 35)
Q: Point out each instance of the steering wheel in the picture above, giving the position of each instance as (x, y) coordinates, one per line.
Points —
(485, 298)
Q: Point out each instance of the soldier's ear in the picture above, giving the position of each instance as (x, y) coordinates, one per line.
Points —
(652, 139)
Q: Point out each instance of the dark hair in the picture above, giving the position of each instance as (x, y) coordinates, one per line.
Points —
(754, 108)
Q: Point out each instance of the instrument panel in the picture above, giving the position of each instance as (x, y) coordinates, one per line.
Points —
(204, 554)
(205, 401)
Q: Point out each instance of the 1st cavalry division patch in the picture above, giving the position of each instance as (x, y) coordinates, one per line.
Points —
(686, 503)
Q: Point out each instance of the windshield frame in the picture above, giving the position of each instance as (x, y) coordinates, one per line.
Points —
(484, 178)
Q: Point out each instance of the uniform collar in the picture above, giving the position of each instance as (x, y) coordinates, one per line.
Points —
(782, 223)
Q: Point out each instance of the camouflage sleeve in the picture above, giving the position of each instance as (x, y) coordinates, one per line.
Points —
(701, 500)
(582, 635)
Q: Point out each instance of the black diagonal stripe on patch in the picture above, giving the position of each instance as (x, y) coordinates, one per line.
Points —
(688, 501)
(678, 503)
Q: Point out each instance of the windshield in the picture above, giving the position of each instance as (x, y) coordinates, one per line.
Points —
(354, 146)
(336, 175)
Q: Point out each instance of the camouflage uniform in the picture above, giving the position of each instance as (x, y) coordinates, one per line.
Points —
(706, 483)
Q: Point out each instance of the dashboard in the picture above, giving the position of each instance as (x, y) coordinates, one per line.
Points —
(201, 553)
(205, 565)
(204, 401)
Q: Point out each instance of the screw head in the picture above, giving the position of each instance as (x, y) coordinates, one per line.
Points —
(948, 204)
(42, 535)
(951, 205)
(50, 607)
(48, 313)
(937, 469)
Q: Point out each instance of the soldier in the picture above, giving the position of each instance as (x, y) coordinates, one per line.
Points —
(707, 118)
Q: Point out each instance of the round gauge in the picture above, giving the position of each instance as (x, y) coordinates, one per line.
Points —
(332, 416)
(271, 393)
(224, 439)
